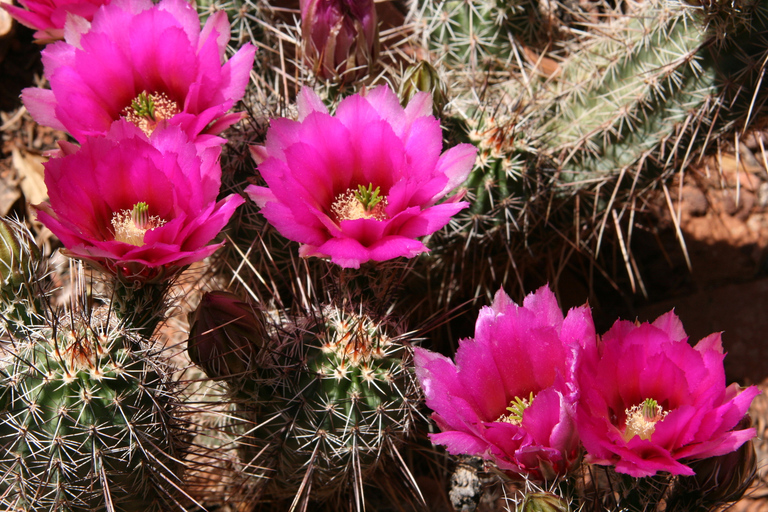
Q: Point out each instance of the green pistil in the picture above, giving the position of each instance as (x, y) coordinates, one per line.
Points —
(650, 409)
(140, 215)
(642, 419)
(516, 409)
(368, 197)
(144, 106)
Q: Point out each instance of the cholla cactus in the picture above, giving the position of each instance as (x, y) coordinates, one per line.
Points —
(86, 421)
(568, 138)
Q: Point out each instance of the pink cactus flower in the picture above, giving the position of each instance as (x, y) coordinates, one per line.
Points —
(139, 208)
(340, 37)
(649, 401)
(509, 398)
(48, 16)
(150, 64)
(361, 185)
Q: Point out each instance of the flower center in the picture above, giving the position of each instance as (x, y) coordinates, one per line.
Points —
(147, 110)
(642, 419)
(516, 409)
(363, 203)
(131, 225)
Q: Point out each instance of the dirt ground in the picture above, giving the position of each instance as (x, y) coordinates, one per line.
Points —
(722, 284)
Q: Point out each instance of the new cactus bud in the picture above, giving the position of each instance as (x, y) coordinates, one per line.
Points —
(340, 37)
(225, 335)
(18, 254)
(20, 270)
(423, 77)
(543, 502)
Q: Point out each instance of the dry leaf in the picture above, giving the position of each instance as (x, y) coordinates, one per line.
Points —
(541, 64)
(6, 22)
(29, 167)
(9, 193)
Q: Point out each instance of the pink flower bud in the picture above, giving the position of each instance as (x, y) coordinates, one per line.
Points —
(225, 335)
(341, 37)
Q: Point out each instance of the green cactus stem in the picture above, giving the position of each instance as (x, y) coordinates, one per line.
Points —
(85, 422)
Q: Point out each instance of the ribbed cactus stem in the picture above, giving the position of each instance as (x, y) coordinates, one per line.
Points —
(628, 97)
(332, 394)
(22, 271)
(85, 424)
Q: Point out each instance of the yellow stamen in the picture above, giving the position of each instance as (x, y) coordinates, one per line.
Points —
(364, 203)
(147, 110)
(642, 419)
(131, 225)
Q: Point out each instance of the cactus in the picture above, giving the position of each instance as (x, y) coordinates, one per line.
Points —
(630, 100)
(22, 271)
(635, 100)
(86, 421)
(243, 17)
(564, 147)
(331, 396)
(466, 33)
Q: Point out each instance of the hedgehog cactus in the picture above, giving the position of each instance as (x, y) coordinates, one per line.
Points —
(635, 98)
(468, 35)
(332, 395)
(85, 423)
(569, 138)
(359, 398)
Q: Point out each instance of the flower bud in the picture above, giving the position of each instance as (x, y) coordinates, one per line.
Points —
(340, 37)
(225, 335)
(423, 77)
(19, 256)
(720, 479)
(543, 502)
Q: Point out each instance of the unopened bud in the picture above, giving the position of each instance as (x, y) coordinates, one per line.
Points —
(720, 479)
(423, 77)
(19, 255)
(225, 335)
(340, 37)
(543, 502)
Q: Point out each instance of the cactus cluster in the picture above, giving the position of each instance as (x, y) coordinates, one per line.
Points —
(302, 394)
(571, 132)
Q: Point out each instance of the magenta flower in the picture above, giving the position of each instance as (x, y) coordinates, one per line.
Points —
(134, 206)
(363, 184)
(150, 64)
(340, 36)
(48, 16)
(649, 400)
(509, 398)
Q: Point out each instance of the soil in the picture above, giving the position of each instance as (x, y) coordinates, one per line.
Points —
(721, 209)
